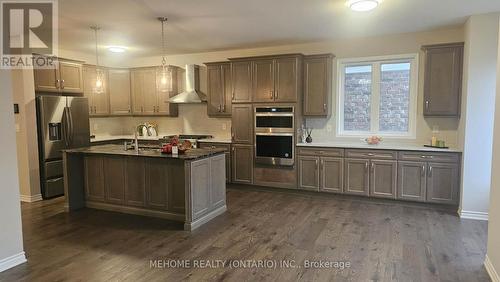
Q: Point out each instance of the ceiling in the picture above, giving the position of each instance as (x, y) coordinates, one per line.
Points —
(201, 25)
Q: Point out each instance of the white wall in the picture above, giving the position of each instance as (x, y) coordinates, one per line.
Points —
(481, 37)
(11, 238)
(492, 261)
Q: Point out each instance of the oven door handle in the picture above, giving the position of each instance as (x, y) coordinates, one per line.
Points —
(274, 114)
(274, 134)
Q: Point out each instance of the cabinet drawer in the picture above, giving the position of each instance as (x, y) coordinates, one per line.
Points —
(227, 147)
(327, 152)
(371, 154)
(429, 156)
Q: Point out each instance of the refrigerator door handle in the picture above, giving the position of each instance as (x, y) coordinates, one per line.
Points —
(66, 126)
(71, 128)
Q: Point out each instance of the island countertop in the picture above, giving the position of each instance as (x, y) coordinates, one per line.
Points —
(110, 149)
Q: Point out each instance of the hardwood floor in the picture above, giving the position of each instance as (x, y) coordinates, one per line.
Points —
(382, 241)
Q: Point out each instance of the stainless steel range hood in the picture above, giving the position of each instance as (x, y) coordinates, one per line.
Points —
(191, 92)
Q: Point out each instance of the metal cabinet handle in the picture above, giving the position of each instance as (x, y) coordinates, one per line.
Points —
(366, 166)
(57, 83)
(62, 83)
(427, 104)
(423, 170)
(324, 107)
(423, 157)
(223, 108)
(430, 170)
(232, 96)
(370, 154)
(316, 167)
(372, 167)
(322, 164)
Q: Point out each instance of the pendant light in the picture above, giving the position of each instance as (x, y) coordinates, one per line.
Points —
(164, 76)
(98, 87)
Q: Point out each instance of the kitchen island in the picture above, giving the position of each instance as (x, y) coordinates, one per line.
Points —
(188, 187)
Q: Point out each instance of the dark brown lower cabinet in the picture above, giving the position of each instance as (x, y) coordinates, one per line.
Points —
(383, 178)
(308, 173)
(356, 176)
(228, 156)
(242, 163)
(94, 178)
(157, 181)
(442, 183)
(114, 179)
(135, 190)
(411, 181)
(332, 174)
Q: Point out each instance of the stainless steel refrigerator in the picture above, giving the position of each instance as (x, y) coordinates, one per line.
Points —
(62, 123)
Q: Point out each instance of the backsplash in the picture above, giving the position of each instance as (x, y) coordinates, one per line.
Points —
(192, 119)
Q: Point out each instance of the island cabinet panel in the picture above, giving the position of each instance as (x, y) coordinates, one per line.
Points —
(135, 189)
(157, 183)
(242, 163)
(200, 187)
(442, 183)
(227, 147)
(332, 175)
(218, 180)
(241, 81)
(411, 181)
(383, 178)
(114, 179)
(94, 178)
(242, 124)
(356, 177)
(263, 80)
(308, 173)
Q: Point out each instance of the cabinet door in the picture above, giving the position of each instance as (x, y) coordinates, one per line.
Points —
(411, 181)
(317, 85)
(114, 180)
(200, 187)
(98, 103)
(157, 183)
(356, 177)
(215, 87)
(226, 99)
(242, 124)
(286, 80)
(89, 76)
(442, 183)
(443, 81)
(119, 91)
(47, 80)
(383, 179)
(332, 174)
(150, 100)
(135, 189)
(163, 106)
(136, 82)
(263, 81)
(308, 173)
(94, 178)
(241, 81)
(242, 163)
(71, 77)
(217, 182)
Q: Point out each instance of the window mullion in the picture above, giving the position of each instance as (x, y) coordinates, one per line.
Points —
(375, 103)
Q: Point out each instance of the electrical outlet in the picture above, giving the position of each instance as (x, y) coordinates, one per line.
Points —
(329, 128)
(224, 126)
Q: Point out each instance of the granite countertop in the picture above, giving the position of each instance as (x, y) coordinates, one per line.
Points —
(382, 146)
(216, 140)
(118, 150)
(120, 137)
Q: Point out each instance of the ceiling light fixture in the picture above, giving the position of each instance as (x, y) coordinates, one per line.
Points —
(363, 5)
(99, 84)
(117, 49)
(164, 75)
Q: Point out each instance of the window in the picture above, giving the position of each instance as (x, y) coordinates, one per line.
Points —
(377, 96)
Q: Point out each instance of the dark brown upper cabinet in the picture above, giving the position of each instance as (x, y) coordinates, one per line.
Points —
(443, 79)
(317, 84)
(241, 81)
(219, 89)
(66, 76)
(277, 79)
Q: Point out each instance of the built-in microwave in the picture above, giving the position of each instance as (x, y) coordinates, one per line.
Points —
(274, 136)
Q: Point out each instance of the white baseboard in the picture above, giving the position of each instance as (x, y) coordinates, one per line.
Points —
(473, 215)
(491, 270)
(31, 199)
(12, 261)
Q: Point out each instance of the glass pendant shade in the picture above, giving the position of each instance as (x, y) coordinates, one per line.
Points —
(99, 83)
(164, 79)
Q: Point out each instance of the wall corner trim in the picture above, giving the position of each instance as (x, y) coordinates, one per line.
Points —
(12, 261)
(473, 215)
(491, 270)
(31, 199)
